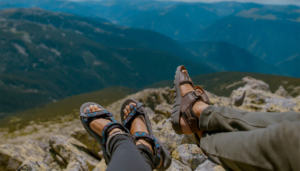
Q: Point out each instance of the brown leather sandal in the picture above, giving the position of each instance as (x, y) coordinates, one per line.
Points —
(183, 106)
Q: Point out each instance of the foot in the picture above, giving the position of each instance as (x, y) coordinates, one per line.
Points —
(198, 107)
(138, 125)
(98, 125)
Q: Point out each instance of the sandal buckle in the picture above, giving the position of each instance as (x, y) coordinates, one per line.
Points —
(195, 95)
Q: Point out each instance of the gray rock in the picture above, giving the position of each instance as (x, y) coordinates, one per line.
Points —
(11, 156)
(71, 154)
(158, 118)
(165, 109)
(74, 166)
(171, 140)
(207, 166)
(101, 166)
(84, 137)
(178, 166)
(190, 155)
(282, 92)
(34, 166)
(256, 84)
(260, 99)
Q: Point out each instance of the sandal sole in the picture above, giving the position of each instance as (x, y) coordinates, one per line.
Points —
(177, 104)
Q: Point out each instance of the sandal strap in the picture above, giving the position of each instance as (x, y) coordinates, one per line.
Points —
(186, 108)
(157, 150)
(197, 139)
(110, 126)
(97, 113)
(184, 78)
(136, 111)
(90, 116)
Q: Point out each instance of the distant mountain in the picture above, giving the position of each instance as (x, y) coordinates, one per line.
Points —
(116, 10)
(228, 57)
(52, 5)
(290, 65)
(49, 56)
(223, 83)
(177, 20)
(101, 31)
(270, 34)
(113, 10)
(180, 21)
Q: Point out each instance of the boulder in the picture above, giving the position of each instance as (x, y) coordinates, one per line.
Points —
(164, 109)
(101, 166)
(171, 140)
(158, 119)
(190, 155)
(218, 101)
(74, 166)
(178, 166)
(85, 138)
(209, 166)
(255, 84)
(282, 92)
(258, 98)
(74, 155)
(11, 156)
(34, 166)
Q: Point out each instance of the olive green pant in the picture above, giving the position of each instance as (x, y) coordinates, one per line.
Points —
(240, 140)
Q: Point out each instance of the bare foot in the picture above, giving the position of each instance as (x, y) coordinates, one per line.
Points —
(98, 125)
(198, 107)
(138, 125)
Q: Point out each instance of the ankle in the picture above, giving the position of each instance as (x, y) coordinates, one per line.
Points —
(199, 107)
(146, 143)
(115, 130)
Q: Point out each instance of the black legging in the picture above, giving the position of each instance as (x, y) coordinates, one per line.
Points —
(126, 156)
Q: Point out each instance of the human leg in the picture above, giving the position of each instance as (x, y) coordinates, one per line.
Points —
(226, 119)
(273, 148)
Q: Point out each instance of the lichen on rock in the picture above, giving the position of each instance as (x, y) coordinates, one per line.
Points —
(190, 155)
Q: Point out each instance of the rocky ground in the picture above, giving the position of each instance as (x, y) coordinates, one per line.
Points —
(67, 146)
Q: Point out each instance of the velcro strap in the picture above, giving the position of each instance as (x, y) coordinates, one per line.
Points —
(144, 135)
(136, 111)
(155, 145)
(110, 126)
(189, 99)
(97, 113)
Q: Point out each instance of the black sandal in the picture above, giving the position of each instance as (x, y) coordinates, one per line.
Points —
(87, 118)
(160, 151)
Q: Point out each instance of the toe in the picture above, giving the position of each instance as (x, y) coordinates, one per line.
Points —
(127, 108)
(92, 108)
(87, 110)
(185, 72)
(96, 107)
(125, 112)
(132, 105)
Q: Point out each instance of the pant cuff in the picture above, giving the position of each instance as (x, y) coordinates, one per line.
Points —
(204, 118)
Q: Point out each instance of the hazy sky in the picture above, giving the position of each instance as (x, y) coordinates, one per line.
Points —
(278, 2)
(295, 2)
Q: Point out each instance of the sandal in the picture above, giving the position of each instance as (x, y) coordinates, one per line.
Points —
(183, 106)
(87, 118)
(158, 148)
